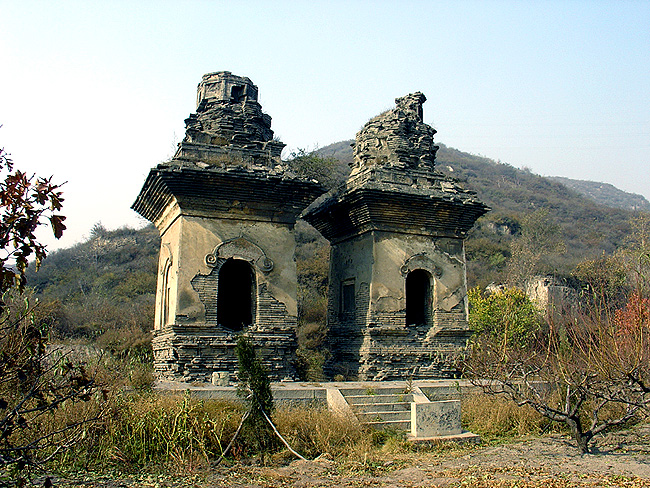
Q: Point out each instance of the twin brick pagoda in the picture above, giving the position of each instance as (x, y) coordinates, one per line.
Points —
(226, 205)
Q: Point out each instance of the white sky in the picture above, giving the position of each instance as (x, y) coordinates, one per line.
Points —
(95, 93)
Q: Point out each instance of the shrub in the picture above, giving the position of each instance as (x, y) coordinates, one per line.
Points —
(590, 372)
(255, 388)
(506, 316)
(35, 383)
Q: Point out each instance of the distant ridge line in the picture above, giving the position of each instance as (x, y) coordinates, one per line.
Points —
(599, 192)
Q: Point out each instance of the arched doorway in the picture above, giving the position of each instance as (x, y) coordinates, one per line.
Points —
(418, 297)
(236, 294)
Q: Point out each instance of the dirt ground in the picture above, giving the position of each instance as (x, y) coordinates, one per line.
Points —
(620, 459)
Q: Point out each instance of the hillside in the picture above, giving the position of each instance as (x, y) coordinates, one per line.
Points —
(589, 229)
(605, 193)
(102, 289)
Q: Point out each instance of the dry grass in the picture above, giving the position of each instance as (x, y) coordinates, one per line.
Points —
(151, 431)
(313, 431)
(175, 433)
(497, 417)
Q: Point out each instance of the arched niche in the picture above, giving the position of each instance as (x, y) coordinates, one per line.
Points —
(166, 260)
(419, 272)
(418, 286)
(229, 292)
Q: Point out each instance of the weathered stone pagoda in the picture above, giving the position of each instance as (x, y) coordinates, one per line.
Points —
(397, 287)
(225, 206)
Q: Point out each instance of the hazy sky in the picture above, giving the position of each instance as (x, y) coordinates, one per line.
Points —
(95, 93)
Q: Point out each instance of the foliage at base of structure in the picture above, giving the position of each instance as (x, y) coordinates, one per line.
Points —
(35, 383)
(507, 316)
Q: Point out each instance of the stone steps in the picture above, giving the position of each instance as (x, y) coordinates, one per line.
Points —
(374, 399)
(383, 407)
(380, 408)
(372, 391)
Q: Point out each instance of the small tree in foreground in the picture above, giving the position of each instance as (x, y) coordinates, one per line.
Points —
(34, 383)
(255, 388)
(26, 202)
(590, 372)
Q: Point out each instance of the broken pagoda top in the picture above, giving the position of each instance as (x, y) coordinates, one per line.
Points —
(228, 162)
(229, 124)
(397, 138)
(393, 185)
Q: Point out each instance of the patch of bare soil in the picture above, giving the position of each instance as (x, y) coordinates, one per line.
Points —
(620, 459)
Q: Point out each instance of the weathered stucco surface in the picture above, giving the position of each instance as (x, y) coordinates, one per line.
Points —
(397, 229)
(225, 201)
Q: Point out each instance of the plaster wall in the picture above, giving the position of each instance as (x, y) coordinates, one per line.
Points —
(201, 235)
(375, 342)
(350, 262)
(189, 344)
(395, 255)
(167, 282)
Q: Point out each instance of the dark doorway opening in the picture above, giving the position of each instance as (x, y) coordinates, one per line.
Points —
(236, 295)
(237, 93)
(418, 297)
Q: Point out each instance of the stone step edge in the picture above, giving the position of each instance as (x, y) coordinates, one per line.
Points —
(384, 412)
(405, 404)
(387, 422)
(350, 399)
(380, 420)
(373, 391)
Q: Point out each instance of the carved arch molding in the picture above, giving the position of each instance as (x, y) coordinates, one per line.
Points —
(421, 261)
(239, 248)
(207, 285)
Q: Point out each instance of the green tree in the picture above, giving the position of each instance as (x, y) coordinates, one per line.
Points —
(255, 387)
(590, 372)
(506, 317)
(311, 165)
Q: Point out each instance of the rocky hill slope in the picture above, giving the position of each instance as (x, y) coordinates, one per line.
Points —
(605, 193)
(587, 227)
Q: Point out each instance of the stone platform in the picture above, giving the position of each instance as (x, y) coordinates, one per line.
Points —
(428, 410)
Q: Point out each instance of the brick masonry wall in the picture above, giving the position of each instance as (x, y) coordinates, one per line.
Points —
(194, 353)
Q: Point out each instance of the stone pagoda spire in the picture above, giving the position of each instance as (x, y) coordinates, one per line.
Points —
(397, 291)
(229, 127)
(225, 206)
(398, 138)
